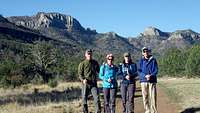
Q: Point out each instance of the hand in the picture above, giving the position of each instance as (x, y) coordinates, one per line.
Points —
(148, 77)
(84, 81)
(109, 80)
(127, 77)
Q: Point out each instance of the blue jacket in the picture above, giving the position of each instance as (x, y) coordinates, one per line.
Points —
(107, 72)
(124, 70)
(148, 66)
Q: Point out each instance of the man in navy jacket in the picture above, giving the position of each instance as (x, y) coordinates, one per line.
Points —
(148, 69)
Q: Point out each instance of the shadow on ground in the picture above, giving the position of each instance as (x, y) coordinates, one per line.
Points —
(42, 97)
(191, 110)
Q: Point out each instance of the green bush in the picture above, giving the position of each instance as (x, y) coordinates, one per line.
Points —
(192, 65)
(180, 63)
(172, 63)
(52, 83)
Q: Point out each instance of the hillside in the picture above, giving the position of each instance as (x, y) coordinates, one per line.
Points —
(68, 29)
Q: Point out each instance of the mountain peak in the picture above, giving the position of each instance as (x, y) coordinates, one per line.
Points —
(187, 34)
(46, 20)
(186, 31)
(152, 31)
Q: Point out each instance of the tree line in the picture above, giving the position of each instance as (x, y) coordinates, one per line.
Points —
(180, 62)
(43, 62)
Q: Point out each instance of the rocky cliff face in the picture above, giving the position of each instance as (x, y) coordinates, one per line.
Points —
(47, 20)
(57, 26)
(187, 35)
(152, 31)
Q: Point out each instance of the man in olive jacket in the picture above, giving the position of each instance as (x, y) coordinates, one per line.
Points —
(87, 71)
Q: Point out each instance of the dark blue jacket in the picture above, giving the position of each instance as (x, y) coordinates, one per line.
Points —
(124, 70)
(148, 66)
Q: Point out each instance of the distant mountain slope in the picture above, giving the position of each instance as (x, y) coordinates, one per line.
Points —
(21, 34)
(67, 29)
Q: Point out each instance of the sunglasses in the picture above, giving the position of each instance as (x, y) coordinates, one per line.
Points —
(110, 59)
(145, 51)
(89, 53)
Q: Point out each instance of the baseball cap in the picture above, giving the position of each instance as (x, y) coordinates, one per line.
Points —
(88, 51)
(127, 54)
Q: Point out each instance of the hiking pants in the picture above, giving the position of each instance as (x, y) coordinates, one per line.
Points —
(109, 99)
(86, 89)
(149, 97)
(127, 93)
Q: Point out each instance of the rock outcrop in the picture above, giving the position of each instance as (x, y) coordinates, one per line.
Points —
(152, 31)
(46, 20)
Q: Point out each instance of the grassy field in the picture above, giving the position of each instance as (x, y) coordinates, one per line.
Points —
(185, 92)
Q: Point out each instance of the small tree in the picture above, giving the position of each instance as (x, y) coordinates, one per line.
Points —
(44, 55)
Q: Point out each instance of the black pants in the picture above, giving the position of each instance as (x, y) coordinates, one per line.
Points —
(86, 89)
(109, 99)
(127, 93)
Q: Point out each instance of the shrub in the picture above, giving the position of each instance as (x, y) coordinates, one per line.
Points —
(52, 83)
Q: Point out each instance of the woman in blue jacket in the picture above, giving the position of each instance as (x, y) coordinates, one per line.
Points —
(127, 74)
(108, 73)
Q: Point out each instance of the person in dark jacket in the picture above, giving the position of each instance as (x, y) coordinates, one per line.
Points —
(108, 73)
(88, 71)
(127, 74)
(148, 69)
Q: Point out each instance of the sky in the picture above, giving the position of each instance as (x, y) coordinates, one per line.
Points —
(127, 18)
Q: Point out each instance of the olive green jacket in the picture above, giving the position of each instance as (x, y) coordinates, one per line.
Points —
(88, 69)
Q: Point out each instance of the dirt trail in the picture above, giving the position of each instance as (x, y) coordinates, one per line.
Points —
(163, 102)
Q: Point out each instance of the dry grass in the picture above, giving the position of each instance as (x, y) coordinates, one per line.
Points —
(185, 92)
(65, 98)
(67, 107)
(26, 89)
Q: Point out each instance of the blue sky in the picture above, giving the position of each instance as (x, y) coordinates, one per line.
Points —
(125, 17)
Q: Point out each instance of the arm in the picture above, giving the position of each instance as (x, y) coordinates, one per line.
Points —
(120, 73)
(97, 67)
(81, 72)
(101, 73)
(134, 70)
(154, 68)
(141, 74)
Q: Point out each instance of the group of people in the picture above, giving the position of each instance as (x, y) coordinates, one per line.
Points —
(126, 72)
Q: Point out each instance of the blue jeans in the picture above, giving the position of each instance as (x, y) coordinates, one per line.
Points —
(86, 89)
(127, 93)
(109, 99)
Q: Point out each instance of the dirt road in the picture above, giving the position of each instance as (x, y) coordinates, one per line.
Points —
(164, 104)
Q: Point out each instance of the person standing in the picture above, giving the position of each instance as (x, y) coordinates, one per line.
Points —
(127, 74)
(148, 69)
(108, 72)
(88, 71)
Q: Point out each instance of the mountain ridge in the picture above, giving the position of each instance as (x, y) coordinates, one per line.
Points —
(68, 29)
